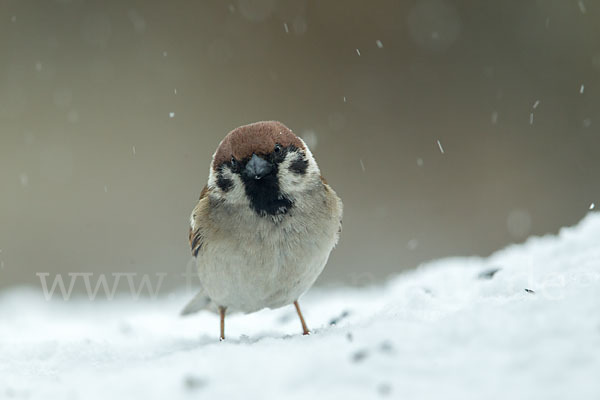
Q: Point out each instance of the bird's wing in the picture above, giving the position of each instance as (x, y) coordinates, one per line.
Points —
(196, 237)
(196, 226)
(335, 203)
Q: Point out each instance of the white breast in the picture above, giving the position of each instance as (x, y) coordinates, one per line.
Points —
(252, 262)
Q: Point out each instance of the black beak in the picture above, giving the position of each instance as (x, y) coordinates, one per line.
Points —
(257, 168)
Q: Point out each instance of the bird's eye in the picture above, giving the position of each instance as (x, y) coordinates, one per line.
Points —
(277, 148)
(234, 162)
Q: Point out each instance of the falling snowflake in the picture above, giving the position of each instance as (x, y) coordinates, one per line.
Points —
(494, 117)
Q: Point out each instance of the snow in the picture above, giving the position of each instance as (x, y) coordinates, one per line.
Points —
(440, 146)
(494, 117)
(457, 328)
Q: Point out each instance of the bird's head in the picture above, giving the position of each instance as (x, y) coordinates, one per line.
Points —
(263, 165)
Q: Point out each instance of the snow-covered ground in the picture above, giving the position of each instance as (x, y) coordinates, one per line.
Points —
(449, 330)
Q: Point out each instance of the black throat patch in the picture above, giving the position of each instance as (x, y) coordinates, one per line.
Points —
(265, 196)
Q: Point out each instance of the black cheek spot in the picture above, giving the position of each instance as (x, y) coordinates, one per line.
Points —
(299, 166)
(223, 183)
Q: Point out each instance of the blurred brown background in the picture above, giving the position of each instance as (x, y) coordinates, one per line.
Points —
(110, 112)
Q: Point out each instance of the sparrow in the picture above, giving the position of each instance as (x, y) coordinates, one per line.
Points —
(265, 223)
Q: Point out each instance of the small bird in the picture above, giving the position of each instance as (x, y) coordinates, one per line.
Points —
(265, 223)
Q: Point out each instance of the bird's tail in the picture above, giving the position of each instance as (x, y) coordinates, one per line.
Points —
(198, 303)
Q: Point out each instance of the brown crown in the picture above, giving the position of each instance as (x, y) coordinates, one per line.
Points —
(258, 138)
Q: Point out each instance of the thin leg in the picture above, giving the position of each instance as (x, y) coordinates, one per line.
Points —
(305, 330)
(222, 313)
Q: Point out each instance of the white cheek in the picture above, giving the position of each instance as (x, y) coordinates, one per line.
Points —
(212, 178)
(235, 195)
(313, 168)
(291, 182)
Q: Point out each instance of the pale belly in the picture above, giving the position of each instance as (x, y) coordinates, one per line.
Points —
(263, 269)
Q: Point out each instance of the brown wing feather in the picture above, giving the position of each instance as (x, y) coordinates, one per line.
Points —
(195, 241)
(195, 234)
